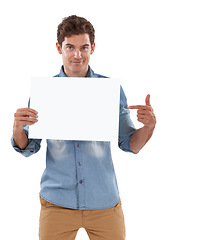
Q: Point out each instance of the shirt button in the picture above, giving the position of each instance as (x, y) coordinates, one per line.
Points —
(78, 145)
(79, 164)
(80, 181)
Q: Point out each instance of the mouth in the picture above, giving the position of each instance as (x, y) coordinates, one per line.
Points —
(77, 62)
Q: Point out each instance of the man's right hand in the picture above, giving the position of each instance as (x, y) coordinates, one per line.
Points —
(23, 116)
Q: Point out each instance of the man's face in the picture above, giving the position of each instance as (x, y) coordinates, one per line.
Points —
(76, 51)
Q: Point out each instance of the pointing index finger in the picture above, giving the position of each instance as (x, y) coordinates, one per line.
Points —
(139, 107)
(133, 107)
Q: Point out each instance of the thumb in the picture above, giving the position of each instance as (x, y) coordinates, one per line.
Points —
(147, 100)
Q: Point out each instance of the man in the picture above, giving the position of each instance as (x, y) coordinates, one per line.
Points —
(79, 186)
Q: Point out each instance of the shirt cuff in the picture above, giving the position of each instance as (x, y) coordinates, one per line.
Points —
(28, 151)
(125, 145)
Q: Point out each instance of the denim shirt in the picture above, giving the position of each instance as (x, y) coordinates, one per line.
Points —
(80, 174)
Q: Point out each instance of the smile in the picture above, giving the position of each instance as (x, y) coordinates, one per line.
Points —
(76, 62)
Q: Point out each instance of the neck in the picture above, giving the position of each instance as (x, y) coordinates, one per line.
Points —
(77, 73)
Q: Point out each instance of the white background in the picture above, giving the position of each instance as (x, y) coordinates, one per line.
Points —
(155, 47)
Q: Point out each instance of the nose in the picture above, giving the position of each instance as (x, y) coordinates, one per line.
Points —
(77, 54)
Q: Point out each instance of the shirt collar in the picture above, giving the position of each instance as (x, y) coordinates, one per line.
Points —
(90, 72)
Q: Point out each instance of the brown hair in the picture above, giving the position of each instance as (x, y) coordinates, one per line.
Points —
(74, 25)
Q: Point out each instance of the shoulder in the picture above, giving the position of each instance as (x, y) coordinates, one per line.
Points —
(92, 74)
(123, 98)
(99, 75)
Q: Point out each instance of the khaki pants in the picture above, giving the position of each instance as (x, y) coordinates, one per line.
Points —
(59, 223)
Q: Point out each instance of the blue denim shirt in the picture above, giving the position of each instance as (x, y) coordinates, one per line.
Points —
(80, 174)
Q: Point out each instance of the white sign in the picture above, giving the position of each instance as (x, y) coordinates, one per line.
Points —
(75, 108)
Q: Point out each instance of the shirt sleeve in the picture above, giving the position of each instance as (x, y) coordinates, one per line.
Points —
(33, 146)
(126, 126)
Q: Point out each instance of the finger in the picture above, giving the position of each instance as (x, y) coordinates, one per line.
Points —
(147, 100)
(144, 112)
(23, 123)
(132, 107)
(142, 120)
(25, 113)
(27, 109)
(143, 107)
(27, 119)
(141, 116)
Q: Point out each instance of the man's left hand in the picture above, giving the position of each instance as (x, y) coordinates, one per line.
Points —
(145, 113)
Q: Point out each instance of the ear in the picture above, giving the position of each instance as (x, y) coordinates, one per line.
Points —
(59, 49)
(92, 48)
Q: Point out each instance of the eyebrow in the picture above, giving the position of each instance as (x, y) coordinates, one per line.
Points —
(85, 45)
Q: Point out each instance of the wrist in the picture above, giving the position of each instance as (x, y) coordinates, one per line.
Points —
(149, 128)
(18, 129)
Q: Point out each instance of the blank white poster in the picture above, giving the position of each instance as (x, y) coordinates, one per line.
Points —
(75, 108)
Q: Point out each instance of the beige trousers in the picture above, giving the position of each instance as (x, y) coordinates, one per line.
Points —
(59, 223)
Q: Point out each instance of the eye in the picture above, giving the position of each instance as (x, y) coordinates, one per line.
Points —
(69, 47)
(84, 48)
